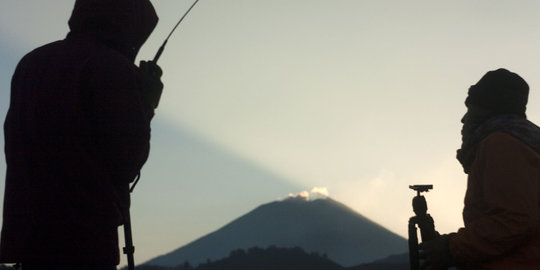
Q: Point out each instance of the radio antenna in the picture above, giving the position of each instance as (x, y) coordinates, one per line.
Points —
(160, 51)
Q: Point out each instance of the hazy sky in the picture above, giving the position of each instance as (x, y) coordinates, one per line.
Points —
(269, 97)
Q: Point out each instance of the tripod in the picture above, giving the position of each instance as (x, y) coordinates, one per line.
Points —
(421, 219)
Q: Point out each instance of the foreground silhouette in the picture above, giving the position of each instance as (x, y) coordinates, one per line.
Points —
(501, 155)
(76, 134)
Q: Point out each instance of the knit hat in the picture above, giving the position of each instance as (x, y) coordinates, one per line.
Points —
(500, 91)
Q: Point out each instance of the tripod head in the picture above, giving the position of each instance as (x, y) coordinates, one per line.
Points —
(419, 202)
(421, 188)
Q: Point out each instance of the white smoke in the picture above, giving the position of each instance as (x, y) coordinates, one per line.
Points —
(315, 193)
(319, 192)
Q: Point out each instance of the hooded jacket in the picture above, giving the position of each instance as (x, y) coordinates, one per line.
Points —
(76, 134)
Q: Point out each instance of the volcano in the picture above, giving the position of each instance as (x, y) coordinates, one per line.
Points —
(322, 226)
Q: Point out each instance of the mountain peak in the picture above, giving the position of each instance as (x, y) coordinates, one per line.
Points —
(321, 225)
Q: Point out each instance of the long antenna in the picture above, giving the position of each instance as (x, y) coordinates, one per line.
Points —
(160, 51)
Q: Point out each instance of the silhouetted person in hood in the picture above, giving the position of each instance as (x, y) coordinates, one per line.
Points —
(501, 155)
(76, 134)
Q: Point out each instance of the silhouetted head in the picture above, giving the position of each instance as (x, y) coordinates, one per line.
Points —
(498, 92)
(123, 25)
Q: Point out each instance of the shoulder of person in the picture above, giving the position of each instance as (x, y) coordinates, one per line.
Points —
(111, 61)
(504, 144)
(500, 137)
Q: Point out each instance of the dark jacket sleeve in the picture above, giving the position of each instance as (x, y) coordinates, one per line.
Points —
(119, 122)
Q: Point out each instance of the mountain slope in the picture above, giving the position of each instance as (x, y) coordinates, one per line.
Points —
(323, 226)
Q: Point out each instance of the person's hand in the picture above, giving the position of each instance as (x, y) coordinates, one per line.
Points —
(152, 87)
(436, 253)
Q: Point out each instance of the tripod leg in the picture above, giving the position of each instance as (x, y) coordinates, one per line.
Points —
(129, 249)
(414, 259)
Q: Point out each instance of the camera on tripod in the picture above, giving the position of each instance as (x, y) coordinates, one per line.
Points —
(424, 222)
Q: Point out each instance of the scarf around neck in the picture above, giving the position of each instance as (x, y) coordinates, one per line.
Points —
(514, 125)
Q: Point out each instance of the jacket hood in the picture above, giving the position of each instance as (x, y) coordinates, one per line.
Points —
(123, 25)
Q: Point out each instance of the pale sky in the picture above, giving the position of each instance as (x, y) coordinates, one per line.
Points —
(269, 97)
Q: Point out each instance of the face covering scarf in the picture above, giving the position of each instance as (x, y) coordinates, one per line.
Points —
(514, 125)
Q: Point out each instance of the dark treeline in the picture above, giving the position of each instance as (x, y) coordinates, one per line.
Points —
(256, 258)
(274, 258)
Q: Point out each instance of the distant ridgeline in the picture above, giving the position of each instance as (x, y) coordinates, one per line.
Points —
(274, 258)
